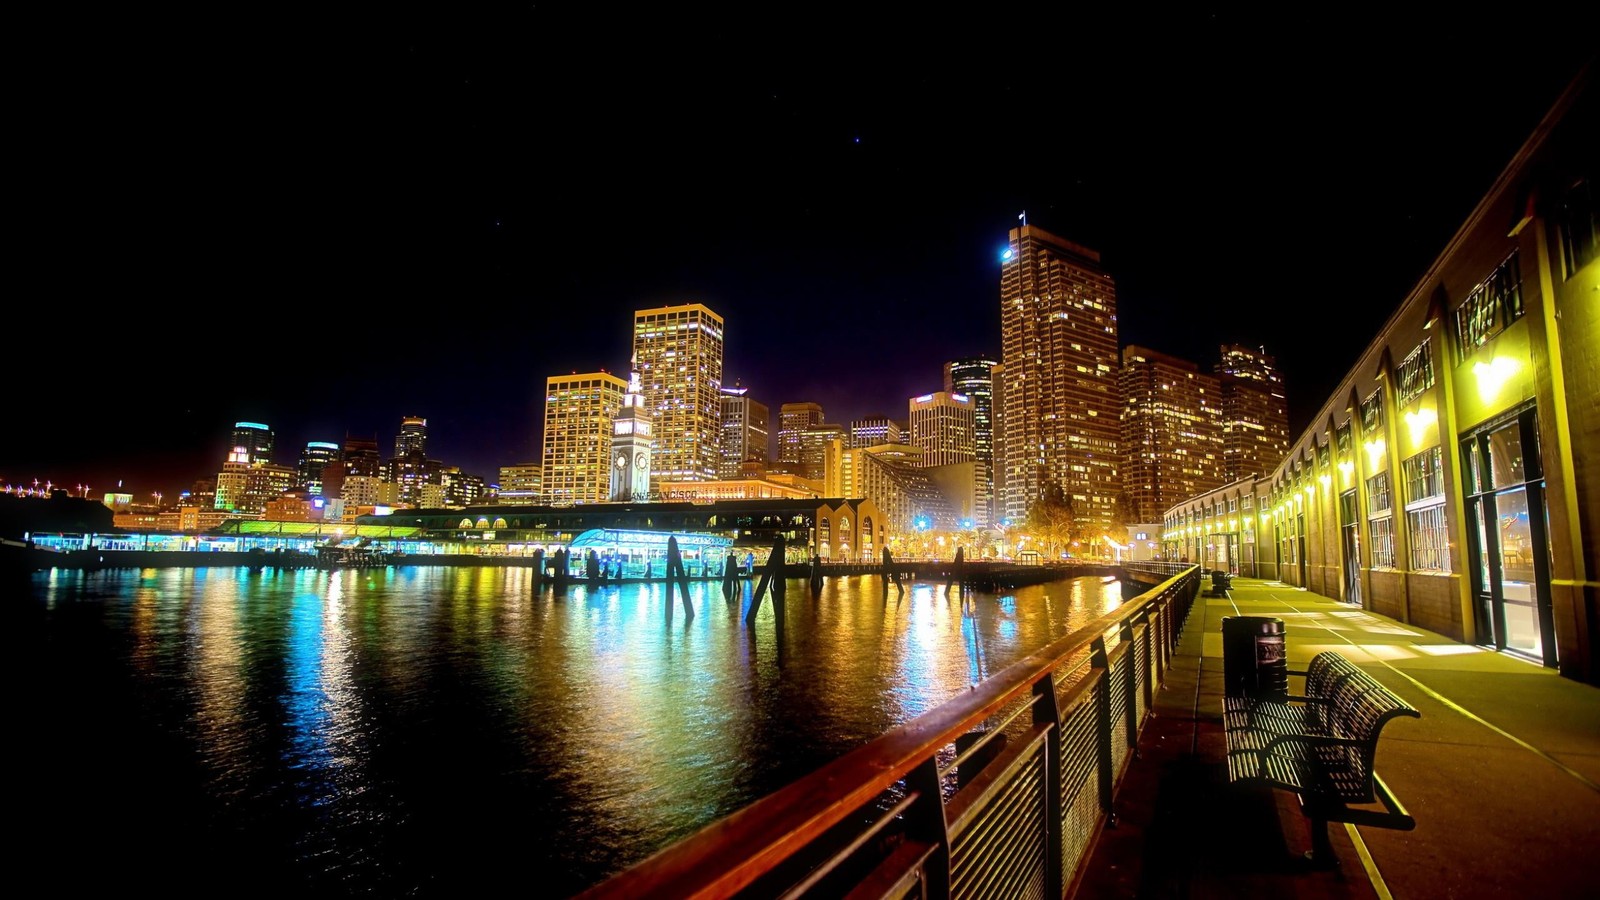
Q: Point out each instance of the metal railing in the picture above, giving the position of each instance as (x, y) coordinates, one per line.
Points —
(998, 792)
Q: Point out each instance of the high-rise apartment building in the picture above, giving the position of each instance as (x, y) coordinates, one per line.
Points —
(254, 440)
(317, 456)
(580, 411)
(942, 426)
(974, 376)
(1171, 432)
(1062, 413)
(875, 430)
(793, 420)
(677, 351)
(413, 437)
(746, 432)
(1255, 412)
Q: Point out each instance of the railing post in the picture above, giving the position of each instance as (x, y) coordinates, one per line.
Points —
(1099, 659)
(927, 823)
(1130, 684)
(1047, 712)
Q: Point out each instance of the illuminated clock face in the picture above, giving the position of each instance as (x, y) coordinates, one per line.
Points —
(640, 460)
(622, 460)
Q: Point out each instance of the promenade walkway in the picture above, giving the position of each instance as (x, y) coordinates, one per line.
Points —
(1501, 772)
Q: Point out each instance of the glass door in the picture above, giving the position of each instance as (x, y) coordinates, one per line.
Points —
(1508, 544)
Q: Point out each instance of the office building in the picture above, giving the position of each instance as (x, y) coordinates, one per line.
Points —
(1059, 352)
(252, 443)
(746, 432)
(874, 430)
(677, 351)
(317, 457)
(413, 437)
(1255, 412)
(793, 420)
(942, 426)
(520, 484)
(1172, 439)
(974, 376)
(580, 413)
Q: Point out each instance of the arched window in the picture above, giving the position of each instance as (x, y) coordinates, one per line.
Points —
(465, 523)
(483, 522)
(499, 522)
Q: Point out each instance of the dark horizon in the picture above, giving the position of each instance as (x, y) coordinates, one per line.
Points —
(433, 221)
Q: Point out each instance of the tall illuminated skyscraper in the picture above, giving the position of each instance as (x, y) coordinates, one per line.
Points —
(580, 412)
(317, 456)
(252, 443)
(941, 427)
(1255, 412)
(1171, 432)
(677, 351)
(413, 437)
(974, 376)
(794, 420)
(745, 431)
(1059, 352)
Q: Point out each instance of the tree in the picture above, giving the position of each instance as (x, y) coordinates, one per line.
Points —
(1052, 519)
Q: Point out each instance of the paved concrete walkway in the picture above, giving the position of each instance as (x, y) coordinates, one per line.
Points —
(1501, 773)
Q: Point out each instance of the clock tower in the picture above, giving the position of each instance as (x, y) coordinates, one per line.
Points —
(630, 446)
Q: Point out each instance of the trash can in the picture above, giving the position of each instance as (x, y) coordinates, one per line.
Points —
(1221, 583)
(1254, 663)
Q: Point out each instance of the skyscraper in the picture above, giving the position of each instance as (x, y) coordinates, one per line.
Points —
(1255, 412)
(942, 427)
(745, 431)
(974, 376)
(580, 412)
(413, 437)
(1058, 333)
(793, 420)
(252, 443)
(1171, 432)
(874, 430)
(317, 456)
(677, 351)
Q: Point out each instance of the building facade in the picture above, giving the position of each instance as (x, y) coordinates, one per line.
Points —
(1255, 412)
(943, 427)
(631, 443)
(1450, 480)
(314, 460)
(413, 437)
(677, 351)
(520, 484)
(874, 430)
(1172, 432)
(746, 432)
(974, 376)
(580, 412)
(794, 419)
(251, 443)
(1059, 356)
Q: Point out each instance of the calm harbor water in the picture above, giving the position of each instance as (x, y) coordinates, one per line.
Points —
(438, 731)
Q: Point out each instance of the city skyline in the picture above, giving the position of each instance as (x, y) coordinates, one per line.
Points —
(845, 220)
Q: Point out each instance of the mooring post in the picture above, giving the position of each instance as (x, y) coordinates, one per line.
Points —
(816, 574)
(730, 577)
(677, 577)
(538, 568)
(774, 564)
(562, 557)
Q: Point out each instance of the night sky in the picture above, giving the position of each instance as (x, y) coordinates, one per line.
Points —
(328, 225)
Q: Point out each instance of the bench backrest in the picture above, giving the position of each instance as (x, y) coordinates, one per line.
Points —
(1359, 706)
(1326, 671)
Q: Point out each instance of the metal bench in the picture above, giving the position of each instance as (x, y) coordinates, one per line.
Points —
(1320, 747)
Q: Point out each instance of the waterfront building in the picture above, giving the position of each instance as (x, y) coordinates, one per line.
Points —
(794, 419)
(251, 443)
(580, 413)
(942, 427)
(631, 444)
(520, 484)
(1059, 349)
(1255, 412)
(314, 460)
(1172, 431)
(677, 351)
(974, 376)
(893, 478)
(459, 489)
(1447, 481)
(413, 437)
(874, 430)
(245, 487)
(746, 435)
(814, 449)
(751, 487)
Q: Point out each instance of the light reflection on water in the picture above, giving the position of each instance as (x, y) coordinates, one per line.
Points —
(430, 730)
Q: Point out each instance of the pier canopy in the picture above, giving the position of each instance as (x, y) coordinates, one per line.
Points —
(690, 543)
